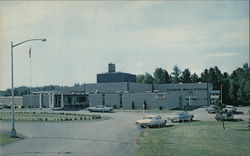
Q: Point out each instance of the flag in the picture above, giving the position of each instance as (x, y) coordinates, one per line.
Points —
(30, 52)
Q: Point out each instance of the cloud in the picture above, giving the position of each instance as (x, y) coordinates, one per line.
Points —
(225, 54)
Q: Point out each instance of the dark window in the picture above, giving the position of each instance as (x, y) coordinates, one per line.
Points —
(69, 100)
(82, 99)
(121, 101)
(103, 99)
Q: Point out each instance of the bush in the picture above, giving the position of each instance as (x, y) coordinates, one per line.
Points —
(160, 108)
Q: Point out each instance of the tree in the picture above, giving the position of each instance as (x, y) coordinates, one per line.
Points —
(219, 111)
(140, 78)
(158, 75)
(195, 78)
(186, 76)
(204, 76)
(225, 82)
(243, 95)
(166, 77)
(176, 74)
(148, 78)
(161, 76)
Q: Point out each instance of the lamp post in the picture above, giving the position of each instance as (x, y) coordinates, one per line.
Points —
(13, 130)
(221, 93)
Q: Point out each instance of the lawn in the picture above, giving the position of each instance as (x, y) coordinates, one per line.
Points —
(6, 139)
(196, 139)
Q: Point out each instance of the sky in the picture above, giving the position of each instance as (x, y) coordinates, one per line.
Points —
(138, 36)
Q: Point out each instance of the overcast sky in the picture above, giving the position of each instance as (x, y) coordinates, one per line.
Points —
(83, 37)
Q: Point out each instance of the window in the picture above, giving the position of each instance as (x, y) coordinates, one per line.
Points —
(103, 99)
(69, 100)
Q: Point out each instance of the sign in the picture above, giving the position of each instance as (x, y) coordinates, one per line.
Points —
(160, 96)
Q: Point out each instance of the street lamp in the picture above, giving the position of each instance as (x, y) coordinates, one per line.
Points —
(221, 93)
(13, 130)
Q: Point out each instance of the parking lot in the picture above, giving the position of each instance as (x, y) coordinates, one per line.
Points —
(113, 136)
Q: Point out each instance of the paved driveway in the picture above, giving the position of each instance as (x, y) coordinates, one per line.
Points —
(112, 137)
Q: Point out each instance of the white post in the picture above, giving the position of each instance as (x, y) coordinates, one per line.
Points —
(49, 100)
(52, 102)
(62, 104)
(40, 100)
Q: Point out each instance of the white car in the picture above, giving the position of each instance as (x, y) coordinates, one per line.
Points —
(211, 109)
(100, 108)
(230, 108)
(180, 116)
(151, 121)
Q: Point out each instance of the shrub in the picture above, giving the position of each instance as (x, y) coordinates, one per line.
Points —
(160, 108)
(80, 118)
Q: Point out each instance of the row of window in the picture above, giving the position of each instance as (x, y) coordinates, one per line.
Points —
(186, 89)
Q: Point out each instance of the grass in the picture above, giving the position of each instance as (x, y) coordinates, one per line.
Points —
(47, 116)
(6, 139)
(195, 139)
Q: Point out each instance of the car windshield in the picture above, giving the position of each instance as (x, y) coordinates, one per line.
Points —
(147, 117)
(179, 113)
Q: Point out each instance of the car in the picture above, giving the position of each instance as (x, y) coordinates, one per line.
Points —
(225, 115)
(180, 116)
(230, 108)
(211, 109)
(151, 121)
(100, 108)
(1, 107)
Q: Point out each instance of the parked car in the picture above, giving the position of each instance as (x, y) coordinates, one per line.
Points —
(151, 121)
(100, 108)
(180, 116)
(1, 107)
(230, 108)
(224, 116)
(211, 109)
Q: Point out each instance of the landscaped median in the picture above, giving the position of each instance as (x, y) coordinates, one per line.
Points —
(34, 116)
(196, 139)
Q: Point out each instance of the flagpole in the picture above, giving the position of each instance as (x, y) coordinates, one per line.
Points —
(30, 74)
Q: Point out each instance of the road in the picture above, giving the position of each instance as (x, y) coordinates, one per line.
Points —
(110, 137)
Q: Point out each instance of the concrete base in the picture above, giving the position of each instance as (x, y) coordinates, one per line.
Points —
(13, 132)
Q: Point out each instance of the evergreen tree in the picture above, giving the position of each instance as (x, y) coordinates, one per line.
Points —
(176, 74)
(195, 78)
(186, 76)
(140, 78)
(148, 78)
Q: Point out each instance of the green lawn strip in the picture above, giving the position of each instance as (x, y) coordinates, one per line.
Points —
(6, 139)
(195, 139)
